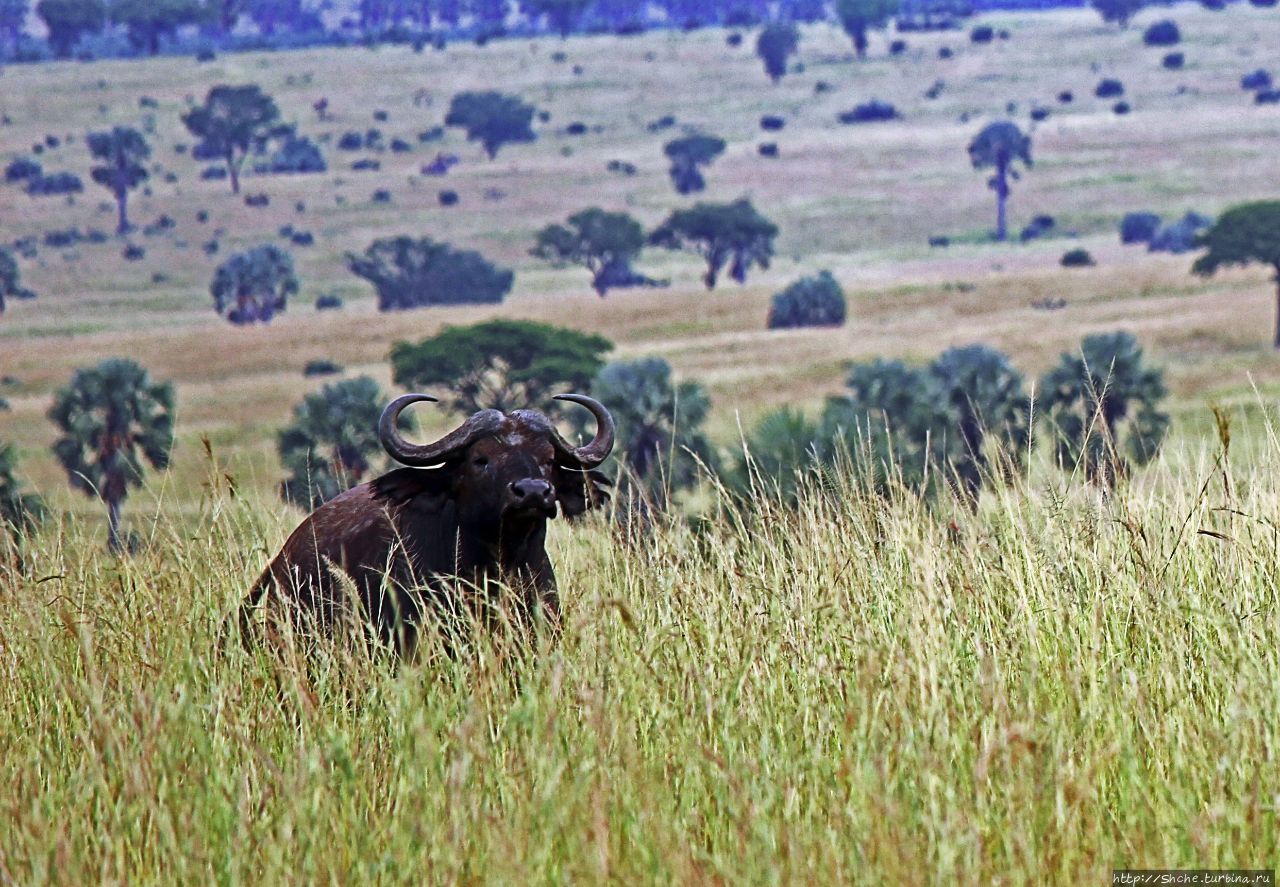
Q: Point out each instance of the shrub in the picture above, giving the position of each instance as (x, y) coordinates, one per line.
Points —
(321, 367)
(874, 111)
(298, 154)
(434, 134)
(257, 201)
(302, 238)
(734, 40)
(1256, 80)
(1038, 227)
(351, 141)
(54, 185)
(1121, 108)
(772, 123)
(448, 198)
(417, 272)
(400, 146)
(945, 52)
(1039, 114)
(1173, 61)
(1267, 97)
(328, 302)
(1077, 258)
(133, 253)
(1066, 97)
(1139, 227)
(1161, 33)
(576, 128)
(767, 149)
(1109, 89)
(213, 173)
(382, 195)
(982, 34)
(810, 301)
(897, 47)
(22, 169)
(366, 164)
(1180, 236)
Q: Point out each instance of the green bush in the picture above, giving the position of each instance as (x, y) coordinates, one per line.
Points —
(810, 301)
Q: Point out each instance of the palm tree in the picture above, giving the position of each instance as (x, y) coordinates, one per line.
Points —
(332, 442)
(123, 151)
(112, 417)
(19, 511)
(999, 146)
(1103, 402)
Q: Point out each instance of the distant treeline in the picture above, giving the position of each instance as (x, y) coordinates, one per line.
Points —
(37, 30)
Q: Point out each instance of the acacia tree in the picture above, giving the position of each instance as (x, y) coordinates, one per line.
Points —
(732, 234)
(112, 418)
(332, 442)
(1102, 406)
(69, 20)
(1244, 235)
(999, 146)
(492, 119)
(11, 279)
(255, 285)
(123, 151)
(20, 511)
(775, 45)
(992, 413)
(13, 15)
(660, 438)
(688, 155)
(232, 120)
(412, 272)
(605, 243)
(500, 364)
(859, 16)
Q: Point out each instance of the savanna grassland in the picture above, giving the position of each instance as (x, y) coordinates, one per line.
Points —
(851, 690)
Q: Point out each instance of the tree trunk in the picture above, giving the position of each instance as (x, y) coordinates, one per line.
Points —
(1002, 195)
(860, 41)
(1277, 342)
(234, 172)
(114, 542)
(122, 211)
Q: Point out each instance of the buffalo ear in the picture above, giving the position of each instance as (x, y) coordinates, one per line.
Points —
(579, 490)
(426, 488)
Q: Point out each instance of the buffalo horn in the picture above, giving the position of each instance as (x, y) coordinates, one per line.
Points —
(422, 455)
(592, 454)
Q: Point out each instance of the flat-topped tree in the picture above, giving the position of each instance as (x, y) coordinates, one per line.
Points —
(69, 20)
(501, 364)
(605, 243)
(732, 234)
(688, 154)
(1000, 146)
(492, 119)
(775, 46)
(112, 418)
(1244, 235)
(123, 151)
(859, 16)
(232, 120)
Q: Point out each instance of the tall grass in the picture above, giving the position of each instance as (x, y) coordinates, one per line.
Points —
(844, 691)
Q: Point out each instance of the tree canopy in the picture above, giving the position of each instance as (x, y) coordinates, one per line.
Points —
(775, 46)
(562, 14)
(688, 155)
(1102, 407)
(69, 20)
(999, 146)
(232, 120)
(332, 443)
(500, 364)
(148, 20)
(732, 234)
(20, 511)
(419, 272)
(1117, 11)
(605, 243)
(1245, 234)
(859, 16)
(492, 119)
(255, 285)
(112, 418)
(123, 152)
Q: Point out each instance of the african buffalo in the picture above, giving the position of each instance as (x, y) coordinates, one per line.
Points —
(438, 538)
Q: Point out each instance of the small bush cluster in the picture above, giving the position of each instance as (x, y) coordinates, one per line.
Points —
(810, 301)
(22, 169)
(321, 367)
(874, 111)
(1173, 61)
(982, 34)
(1077, 258)
(54, 184)
(1162, 33)
(1040, 226)
(1256, 80)
(1139, 227)
(1180, 236)
(1109, 89)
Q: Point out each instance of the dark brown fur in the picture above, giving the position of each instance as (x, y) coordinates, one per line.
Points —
(418, 543)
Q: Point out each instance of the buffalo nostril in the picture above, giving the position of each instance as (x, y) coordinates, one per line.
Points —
(525, 490)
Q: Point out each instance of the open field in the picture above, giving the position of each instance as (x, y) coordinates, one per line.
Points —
(860, 200)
